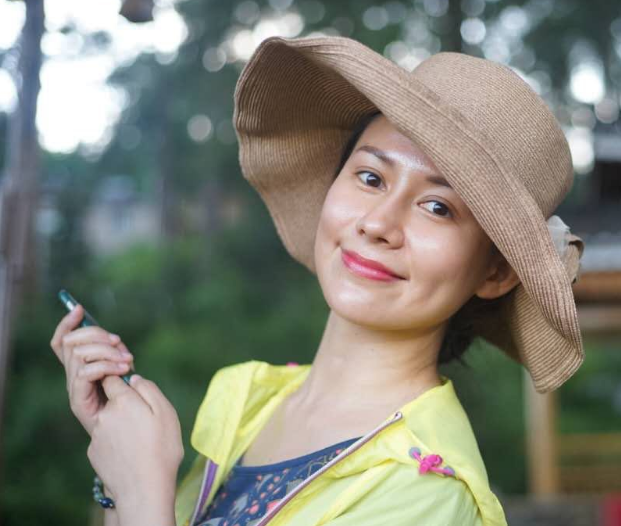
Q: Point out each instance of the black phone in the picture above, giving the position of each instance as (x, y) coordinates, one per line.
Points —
(87, 321)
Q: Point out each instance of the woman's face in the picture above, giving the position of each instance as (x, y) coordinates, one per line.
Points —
(388, 204)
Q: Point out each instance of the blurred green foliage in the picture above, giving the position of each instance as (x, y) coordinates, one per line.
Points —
(593, 402)
(184, 310)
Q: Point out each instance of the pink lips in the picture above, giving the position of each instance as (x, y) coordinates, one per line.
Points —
(367, 267)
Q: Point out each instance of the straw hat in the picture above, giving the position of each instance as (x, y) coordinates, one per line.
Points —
(297, 101)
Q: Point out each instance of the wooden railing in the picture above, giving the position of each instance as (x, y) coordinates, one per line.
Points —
(589, 462)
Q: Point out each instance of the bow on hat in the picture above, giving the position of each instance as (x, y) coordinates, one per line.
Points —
(563, 239)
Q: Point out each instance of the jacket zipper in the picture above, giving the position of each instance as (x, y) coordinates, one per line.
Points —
(208, 478)
(348, 451)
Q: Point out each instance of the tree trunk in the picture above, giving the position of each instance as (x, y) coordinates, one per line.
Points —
(167, 196)
(453, 41)
(18, 186)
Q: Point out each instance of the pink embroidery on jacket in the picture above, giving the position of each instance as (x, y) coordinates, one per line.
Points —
(430, 463)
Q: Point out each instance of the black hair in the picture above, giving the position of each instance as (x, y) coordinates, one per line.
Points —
(360, 126)
(460, 332)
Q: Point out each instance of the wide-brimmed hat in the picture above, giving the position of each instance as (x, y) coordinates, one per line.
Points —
(493, 138)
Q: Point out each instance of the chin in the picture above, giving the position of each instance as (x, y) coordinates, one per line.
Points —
(363, 317)
(358, 305)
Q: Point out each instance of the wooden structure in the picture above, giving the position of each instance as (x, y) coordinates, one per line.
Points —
(584, 463)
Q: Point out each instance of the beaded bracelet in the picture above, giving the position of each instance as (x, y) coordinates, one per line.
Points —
(98, 494)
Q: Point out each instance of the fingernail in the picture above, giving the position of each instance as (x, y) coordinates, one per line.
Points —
(114, 337)
(134, 378)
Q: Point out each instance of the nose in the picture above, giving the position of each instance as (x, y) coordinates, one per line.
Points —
(383, 221)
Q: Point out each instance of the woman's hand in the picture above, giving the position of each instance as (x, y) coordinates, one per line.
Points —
(136, 449)
(88, 355)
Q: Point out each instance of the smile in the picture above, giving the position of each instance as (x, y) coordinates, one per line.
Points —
(360, 269)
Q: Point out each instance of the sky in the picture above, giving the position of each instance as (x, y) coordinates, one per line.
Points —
(75, 103)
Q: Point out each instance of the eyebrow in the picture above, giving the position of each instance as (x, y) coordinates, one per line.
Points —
(384, 157)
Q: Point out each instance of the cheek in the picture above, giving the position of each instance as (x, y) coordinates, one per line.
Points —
(436, 254)
(447, 251)
(338, 209)
(336, 224)
(443, 265)
(337, 214)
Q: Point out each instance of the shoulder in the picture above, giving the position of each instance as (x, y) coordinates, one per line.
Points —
(405, 497)
(430, 498)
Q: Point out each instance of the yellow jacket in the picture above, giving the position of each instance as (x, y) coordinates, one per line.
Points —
(386, 477)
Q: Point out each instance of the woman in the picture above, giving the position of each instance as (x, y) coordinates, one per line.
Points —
(423, 202)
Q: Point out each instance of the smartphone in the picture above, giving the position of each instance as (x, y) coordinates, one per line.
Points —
(87, 321)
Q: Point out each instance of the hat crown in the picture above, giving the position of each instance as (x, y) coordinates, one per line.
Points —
(518, 124)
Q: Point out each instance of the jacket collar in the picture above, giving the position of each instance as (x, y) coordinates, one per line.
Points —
(242, 397)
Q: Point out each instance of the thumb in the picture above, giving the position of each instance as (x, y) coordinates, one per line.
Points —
(149, 391)
(113, 386)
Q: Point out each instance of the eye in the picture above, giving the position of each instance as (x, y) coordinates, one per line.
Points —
(440, 208)
(374, 177)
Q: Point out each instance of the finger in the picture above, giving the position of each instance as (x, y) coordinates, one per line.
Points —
(90, 335)
(115, 387)
(66, 325)
(86, 335)
(89, 353)
(96, 371)
(84, 386)
(80, 387)
(150, 392)
(93, 352)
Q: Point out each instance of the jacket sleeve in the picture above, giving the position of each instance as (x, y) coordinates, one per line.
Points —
(407, 498)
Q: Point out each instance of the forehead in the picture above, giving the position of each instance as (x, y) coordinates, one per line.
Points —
(382, 134)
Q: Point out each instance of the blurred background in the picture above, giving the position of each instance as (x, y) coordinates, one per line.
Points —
(119, 181)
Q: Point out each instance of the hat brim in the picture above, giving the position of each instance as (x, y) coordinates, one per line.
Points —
(296, 103)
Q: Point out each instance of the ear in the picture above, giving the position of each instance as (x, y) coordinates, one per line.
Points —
(501, 278)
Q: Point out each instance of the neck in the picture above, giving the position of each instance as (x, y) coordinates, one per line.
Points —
(366, 369)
